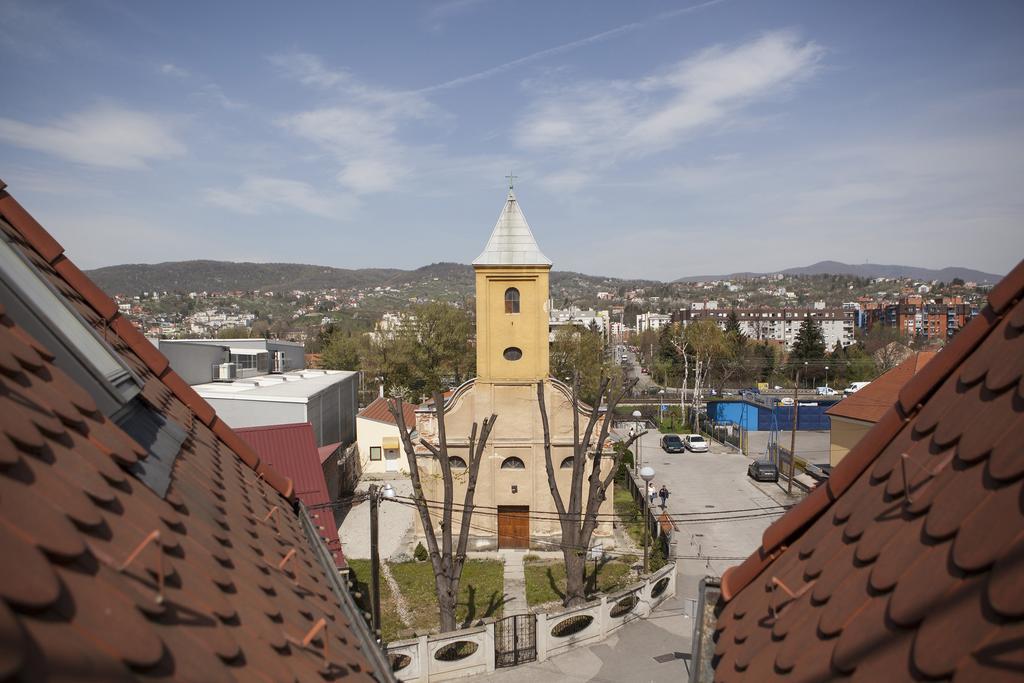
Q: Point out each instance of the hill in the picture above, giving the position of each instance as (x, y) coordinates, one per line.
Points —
(867, 270)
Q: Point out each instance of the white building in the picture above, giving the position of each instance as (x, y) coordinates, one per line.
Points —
(652, 321)
(782, 324)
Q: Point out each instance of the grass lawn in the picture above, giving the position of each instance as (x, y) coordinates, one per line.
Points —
(481, 592)
(630, 515)
(545, 579)
(391, 623)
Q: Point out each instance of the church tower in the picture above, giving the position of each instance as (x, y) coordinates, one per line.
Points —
(511, 302)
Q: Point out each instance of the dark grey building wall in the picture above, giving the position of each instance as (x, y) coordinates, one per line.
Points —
(194, 362)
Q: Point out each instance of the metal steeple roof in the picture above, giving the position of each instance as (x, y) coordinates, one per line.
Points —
(511, 242)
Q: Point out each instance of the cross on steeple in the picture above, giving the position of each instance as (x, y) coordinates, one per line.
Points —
(511, 179)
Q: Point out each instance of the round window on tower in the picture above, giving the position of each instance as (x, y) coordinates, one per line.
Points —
(513, 353)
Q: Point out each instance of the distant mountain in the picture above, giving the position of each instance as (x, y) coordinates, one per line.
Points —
(868, 270)
(226, 276)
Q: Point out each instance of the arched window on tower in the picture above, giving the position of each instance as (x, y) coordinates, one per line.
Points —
(513, 463)
(511, 300)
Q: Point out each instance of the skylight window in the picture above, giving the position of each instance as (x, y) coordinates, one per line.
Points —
(78, 350)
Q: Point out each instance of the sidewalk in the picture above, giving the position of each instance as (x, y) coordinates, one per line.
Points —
(515, 582)
(396, 523)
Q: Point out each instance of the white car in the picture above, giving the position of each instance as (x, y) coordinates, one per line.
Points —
(695, 443)
(826, 391)
(786, 401)
(855, 387)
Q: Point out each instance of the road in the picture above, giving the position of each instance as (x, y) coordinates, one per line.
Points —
(704, 486)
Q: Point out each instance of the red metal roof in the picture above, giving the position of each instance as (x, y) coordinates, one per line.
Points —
(907, 564)
(291, 449)
(102, 578)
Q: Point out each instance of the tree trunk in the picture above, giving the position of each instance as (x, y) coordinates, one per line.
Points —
(575, 578)
(446, 563)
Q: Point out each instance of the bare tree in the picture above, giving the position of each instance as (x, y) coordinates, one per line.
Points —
(578, 519)
(446, 563)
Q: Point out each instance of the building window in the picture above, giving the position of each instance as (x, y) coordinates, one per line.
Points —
(456, 462)
(511, 300)
(374, 452)
(513, 463)
(567, 464)
(512, 353)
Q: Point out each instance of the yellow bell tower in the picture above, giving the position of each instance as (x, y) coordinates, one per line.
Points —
(511, 302)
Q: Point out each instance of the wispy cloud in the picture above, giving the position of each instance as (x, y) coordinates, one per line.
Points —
(602, 120)
(174, 70)
(362, 131)
(260, 194)
(565, 47)
(105, 135)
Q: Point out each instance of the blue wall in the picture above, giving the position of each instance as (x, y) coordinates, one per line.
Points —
(756, 417)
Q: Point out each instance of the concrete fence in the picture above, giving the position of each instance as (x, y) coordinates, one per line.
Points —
(470, 652)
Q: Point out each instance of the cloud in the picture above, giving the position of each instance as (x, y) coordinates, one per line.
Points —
(461, 5)
(612, 118)
(361, 132)
(106, 136)
(260, 194)
(173, 70)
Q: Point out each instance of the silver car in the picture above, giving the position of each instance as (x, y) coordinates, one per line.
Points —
(695, 443)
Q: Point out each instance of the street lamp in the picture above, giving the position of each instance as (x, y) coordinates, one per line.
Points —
(826, 379)
(636, 461)
(647, 474)
(661, 411)
(805, 370)
(387, 492)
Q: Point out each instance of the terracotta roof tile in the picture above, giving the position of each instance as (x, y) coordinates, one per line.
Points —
(107, 580)
(38, 238)
(870, 403)
(910, 565)
(378, 411)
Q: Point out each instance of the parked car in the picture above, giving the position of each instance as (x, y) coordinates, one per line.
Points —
(786, 401)
(855, 387)
(750, 390)
(761, 470)
(671, 443)
(695, 443)
(826, 391)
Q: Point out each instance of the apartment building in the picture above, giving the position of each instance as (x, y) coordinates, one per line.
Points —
(780, 324)
(913, 316)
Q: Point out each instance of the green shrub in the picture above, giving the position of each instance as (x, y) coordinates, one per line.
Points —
(420, 553)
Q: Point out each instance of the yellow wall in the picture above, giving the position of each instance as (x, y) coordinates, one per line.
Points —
(844, 435)
(497, 330)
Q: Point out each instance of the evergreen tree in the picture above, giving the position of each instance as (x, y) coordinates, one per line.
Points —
(809, 347)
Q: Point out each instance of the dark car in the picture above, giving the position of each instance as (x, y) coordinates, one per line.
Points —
(759, 470)
(671, 443)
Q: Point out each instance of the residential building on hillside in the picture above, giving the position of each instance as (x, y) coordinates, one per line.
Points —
(652, 321)
(914, 317)
(590, 318)
(780, 324)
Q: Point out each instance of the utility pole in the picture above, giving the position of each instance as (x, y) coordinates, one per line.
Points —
(375, 560)
(792, 439)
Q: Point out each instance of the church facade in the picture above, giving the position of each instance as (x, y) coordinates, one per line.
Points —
(514, 507)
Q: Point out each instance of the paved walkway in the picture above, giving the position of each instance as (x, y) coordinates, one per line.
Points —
(515, 582)
(396, 524)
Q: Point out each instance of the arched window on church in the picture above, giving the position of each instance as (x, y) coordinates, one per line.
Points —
(566, 464)
(456, 462)
(511, 300)
(513, 463)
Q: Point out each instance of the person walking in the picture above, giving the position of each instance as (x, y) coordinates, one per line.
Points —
(664, 495)
(651, 492)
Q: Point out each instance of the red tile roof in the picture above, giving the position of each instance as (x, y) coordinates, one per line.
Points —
(907, 564)
(378, 411)
(104, 579)
(291, 449)
(870, 403)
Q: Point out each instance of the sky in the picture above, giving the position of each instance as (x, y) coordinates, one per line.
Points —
(648, 139)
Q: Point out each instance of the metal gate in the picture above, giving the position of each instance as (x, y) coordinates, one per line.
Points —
(515, 640)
